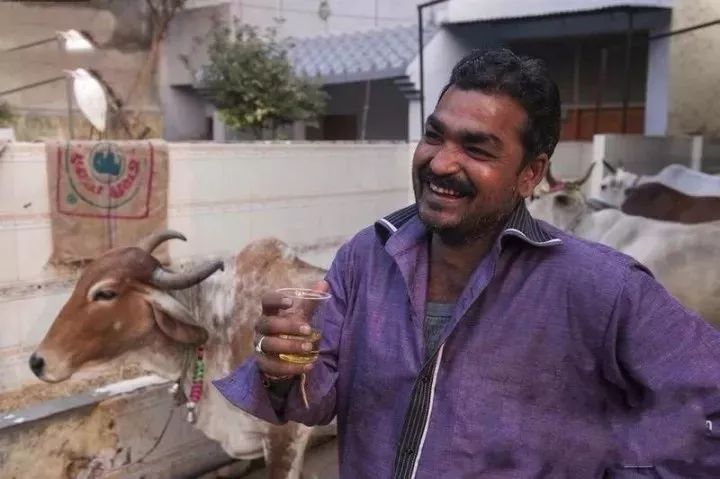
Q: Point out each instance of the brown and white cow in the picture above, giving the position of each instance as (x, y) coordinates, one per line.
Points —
(127, 303)
(649, 197)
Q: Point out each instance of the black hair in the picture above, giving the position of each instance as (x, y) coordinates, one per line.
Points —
(524, 79)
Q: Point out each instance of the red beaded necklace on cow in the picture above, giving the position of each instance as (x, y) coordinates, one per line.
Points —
(196, 387)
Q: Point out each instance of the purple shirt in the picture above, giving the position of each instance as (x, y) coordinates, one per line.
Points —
(563, 359)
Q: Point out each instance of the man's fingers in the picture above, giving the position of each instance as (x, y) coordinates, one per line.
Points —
(273, 325)
(274, 302)
(322, 286)
(277, 345)
(274, 366)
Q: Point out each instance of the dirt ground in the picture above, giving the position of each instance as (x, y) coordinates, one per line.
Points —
(320, 463)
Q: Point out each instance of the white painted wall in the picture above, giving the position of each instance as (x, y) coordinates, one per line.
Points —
(658, 85)
(221, 196)
(572, 158)
(440, 55)
(694, 64)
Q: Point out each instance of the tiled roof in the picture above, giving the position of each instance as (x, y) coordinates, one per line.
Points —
(360, 56)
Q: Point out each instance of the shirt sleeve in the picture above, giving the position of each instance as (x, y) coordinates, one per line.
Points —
(667, 361)
(246, 389)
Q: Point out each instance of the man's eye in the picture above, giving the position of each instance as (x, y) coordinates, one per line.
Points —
(432, 136)
(476, 151)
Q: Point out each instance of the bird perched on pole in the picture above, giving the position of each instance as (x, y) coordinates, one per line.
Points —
(90, 97)
(75, 41)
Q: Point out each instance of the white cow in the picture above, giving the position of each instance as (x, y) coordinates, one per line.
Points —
(615, 186)
(683, 257)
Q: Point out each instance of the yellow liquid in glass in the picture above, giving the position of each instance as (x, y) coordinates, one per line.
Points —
(304, 358)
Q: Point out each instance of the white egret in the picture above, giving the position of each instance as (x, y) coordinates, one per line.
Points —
(90, 97)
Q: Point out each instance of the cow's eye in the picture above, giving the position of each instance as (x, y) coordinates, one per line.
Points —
(104, 295)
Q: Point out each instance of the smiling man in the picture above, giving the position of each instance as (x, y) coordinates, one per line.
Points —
(464, 339)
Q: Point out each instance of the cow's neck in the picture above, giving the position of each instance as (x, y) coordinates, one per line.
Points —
(599, 221)
(212, 304)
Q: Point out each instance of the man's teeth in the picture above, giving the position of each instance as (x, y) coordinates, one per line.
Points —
(443, 191)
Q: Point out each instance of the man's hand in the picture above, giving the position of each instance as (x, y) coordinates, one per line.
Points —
(268, 329)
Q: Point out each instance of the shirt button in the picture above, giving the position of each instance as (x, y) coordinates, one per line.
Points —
(426, 379)
(409, 452)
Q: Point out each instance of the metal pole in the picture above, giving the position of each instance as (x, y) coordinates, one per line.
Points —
(29, 45)
(600, 88)
(628, 61)
(68, 90)
(368, 86)
(685, 30)
(31, 85)
(420, 8)
(422, 69)
(576, 88)
(366, 108)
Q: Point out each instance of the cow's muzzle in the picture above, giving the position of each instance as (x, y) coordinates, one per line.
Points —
(37, 365)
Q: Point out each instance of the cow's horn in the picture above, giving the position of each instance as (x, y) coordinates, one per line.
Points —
(552, 181)
(152, 241)
(609, 167)
(582, 180)
(164, 279)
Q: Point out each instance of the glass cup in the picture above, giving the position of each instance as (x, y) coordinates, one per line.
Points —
(305, 303)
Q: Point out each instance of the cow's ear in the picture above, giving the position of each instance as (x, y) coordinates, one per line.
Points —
(177, 330)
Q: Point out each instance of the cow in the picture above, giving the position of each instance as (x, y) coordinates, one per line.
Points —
(550, 183)
(679, 255)
(126, 304)
(650, 197)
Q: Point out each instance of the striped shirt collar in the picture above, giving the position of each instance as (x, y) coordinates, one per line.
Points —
(520, 224)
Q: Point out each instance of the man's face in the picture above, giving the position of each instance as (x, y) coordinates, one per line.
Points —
(468, 171)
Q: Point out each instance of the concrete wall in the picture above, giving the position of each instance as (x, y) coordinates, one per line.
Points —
(694, 70)
(108, 432)
(658, 83)
(710, 155)
(314, 196)
(571, 158)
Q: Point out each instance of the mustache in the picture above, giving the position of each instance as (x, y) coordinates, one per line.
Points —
(448, 182)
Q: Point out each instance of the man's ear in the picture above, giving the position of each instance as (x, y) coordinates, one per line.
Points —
(532, 174)
(177, 330)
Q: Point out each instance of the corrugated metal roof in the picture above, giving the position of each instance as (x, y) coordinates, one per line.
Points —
(366, 55)
(462, 11)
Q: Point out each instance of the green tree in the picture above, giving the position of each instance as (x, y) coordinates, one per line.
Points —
(250, 80)
(6, 114)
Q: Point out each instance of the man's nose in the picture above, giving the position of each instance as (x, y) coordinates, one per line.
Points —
(445, 162)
